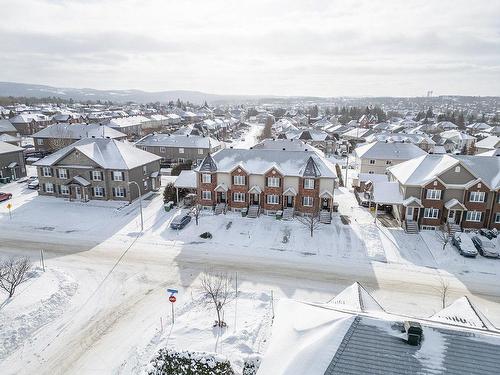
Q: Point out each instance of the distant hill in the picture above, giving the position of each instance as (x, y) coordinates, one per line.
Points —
(120, 96)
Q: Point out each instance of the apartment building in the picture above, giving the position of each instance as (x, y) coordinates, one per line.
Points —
(459, 191)
(99, 169)
(11, 161)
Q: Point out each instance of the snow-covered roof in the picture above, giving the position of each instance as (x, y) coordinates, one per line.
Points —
(178, 140)
(462, 312)
(385, 192)
(453, 203)
(78, 131)
(9, 138)
(108, 153)
(124, 122)
(5, 148)
(7, 127)
(289, 163)
(186, 180)
(286, 145)
(25, 118)
(356, 298)
(422, 170)
(325, 340)
(389, 151)
(490, 142)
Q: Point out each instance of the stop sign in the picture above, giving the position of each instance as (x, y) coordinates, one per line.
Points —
(172, 299)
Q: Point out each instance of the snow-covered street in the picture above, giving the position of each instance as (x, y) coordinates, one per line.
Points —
(111, 279)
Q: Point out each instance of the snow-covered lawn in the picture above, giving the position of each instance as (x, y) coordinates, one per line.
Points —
(37, 302)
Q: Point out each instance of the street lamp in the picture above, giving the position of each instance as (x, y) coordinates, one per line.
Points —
(140, 202)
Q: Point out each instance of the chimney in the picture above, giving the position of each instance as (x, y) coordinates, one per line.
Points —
(284, 149)
(414, 332)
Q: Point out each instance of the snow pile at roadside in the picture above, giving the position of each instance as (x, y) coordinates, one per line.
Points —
(301, 328)
(37, 302)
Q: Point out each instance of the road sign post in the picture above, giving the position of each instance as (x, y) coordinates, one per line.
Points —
(9, 206)
(172, 300)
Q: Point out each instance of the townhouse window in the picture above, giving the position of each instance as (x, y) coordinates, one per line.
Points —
(273, 199)
(49, 187)
(145, 185)
(206, 178)
(498, 197)
(497, 218)
(206, 195)
(371, 172)
(239, 180)
(117, 176)
(97, 176)
(181, 150)
(163, 150)
(62, 173)
(307, 201)
(119, 192)
(200, 151)
(475, 216)
(46, 172)
(457, 169)
(144, 170)
(144, 148)
(433, 194)
(181, 160)
(238, 197)
(309, 183)
(39, 141)
(388, 162)
(431, 213)
(372, 161)
(64, 190)
(98, 191)
(273, 182)
(476, 196)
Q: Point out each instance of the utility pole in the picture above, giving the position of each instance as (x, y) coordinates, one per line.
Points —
(347, 165)
(140, 202)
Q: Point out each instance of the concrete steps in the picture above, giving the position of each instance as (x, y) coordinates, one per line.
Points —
(453, 228)
(253, 211)
(288, 213)
(220, 208)
(325, 217)
(411, 227)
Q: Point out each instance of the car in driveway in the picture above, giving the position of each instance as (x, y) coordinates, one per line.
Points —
(485, 247)
(34, 184)
(489, 234)
(180, 221)
(5, 196)
(464, 245)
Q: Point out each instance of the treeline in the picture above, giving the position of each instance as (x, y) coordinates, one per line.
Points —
(13, 100)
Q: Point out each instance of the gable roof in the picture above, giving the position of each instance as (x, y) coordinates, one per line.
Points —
(389, 151)
(259, 161)
(6, 126)
(108, 153)
(6, 148)
(356, 298)
(78, 131)
(311, 169)
(462, 312)
(208, 164)
(178, 140)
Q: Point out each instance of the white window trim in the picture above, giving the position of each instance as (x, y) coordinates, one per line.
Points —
(200, 151)
(206, 178)
(51, 190)
(275, 180)
(478, 194)
(432, 211)
(65, 172)
(101, 191)
(181, 150)
(206, 195)
(120, 192)
(163, 150)
(239, 197)
(46, 172)
(372, 161)
(64, 190)
(270, 199)
(118, 173)
(433, 194)
(474, 216)
(308, 185)
(497, 217)
(239, 180)
(310, 201)
(96, 176)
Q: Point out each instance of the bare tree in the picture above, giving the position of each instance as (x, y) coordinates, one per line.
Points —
(310, 221)
(444, 236)
(13, 272)
(217, 289)
(443, 290)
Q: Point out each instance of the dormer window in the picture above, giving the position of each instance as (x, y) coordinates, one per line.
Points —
(457, 169)
(372, 161)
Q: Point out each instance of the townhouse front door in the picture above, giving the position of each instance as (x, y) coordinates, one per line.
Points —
(78, 192)
(452, 216)
(223, 197)
(325, 203)
(289, 201)
(409, 213)
(255, 198)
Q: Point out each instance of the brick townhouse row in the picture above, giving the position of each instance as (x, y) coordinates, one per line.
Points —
(270, 179)
(444, 189)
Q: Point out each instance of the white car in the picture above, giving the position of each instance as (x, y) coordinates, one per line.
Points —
(34, 184)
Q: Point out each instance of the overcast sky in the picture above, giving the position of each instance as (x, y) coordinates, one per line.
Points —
(283, 47)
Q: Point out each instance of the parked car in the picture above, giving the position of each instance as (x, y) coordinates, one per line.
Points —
(464, 245)
(35, 184)
(5, 196)
(180, 221)
(31, 179)
(485, 247)
(489, 234)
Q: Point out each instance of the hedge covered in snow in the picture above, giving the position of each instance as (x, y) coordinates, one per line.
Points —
(171, 362)
(251, 365)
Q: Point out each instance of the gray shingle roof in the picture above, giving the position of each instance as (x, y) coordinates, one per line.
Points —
(78, 131)
(6, 126)
(176, 140)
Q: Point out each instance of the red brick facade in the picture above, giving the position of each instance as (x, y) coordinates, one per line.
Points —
(272, 191)
(238, 189)
(477, 206)
(207, 187)
(303, 192)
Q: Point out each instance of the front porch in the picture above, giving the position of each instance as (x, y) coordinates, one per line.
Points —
(79, 189)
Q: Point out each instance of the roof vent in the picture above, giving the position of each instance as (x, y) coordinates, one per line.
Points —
(306, 149)
(414, 332)
(284, 149)
(251, 148)
(230, 146)
(93, 136)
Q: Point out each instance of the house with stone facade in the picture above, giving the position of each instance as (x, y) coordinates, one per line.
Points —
(460, 192)
(99, 169)
(267, 181)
